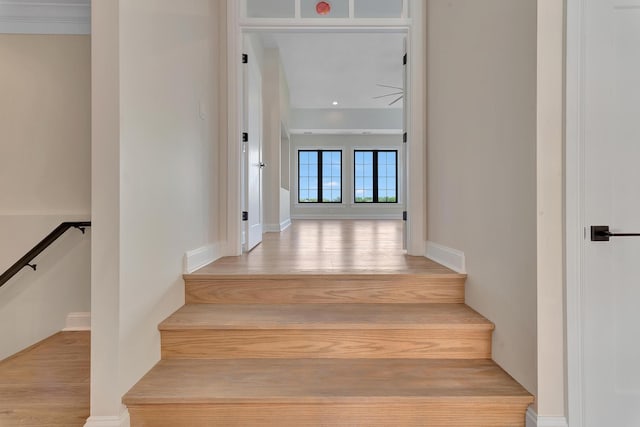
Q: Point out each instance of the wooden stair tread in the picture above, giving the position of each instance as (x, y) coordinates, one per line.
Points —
(325, 316)
(323, 381)
(337, 260)
(363, 274)
(324, 288)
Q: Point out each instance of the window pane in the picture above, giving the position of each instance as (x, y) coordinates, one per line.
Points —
(387, 177)
(363, 177)
(368, 158)
(332, 176)
(271, 8)
(308, 177)
(378, 8)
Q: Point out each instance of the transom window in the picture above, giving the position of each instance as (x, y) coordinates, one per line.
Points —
(319, 176)
(376, 176)
(317, 10)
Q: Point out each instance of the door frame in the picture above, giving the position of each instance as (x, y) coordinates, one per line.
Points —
(574, 208)
(416, 126)
(247, 199)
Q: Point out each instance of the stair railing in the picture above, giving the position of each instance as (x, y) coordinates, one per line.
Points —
(26, 260)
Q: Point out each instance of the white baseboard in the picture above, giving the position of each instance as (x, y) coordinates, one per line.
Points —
(276, 228)
(285, 224)
(451, 258)
(116, 421)
(198, 258)
(533, 420)
(78, 322)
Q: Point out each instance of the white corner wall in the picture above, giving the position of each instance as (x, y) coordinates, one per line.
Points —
(275, 92)
(45, 179)
(168, 135)
(551, 399)
(482, 162)
(156, 124)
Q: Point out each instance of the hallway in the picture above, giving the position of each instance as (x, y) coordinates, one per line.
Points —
(329, 246)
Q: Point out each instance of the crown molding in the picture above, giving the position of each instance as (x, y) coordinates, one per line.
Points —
(45, 17)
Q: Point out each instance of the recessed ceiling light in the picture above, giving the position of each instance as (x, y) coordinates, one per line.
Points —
(335, 102)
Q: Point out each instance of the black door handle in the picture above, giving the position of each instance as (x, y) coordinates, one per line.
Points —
(601, 233)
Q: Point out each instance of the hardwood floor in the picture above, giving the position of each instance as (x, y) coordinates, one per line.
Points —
(47, 384)
(328, 393)
(313, 381)
(329, 323)
(326, 247)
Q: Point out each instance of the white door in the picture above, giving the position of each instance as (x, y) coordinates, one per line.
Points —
(253, 150)
(611, 269)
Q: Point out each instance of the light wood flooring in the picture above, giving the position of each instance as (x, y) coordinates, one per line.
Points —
(327, 247)
(327, 324)
(47, 384)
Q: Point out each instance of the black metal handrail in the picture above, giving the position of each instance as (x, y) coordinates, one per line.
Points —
(25, 261)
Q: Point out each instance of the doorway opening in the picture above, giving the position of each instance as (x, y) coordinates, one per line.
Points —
(339, 97)
(336, 141)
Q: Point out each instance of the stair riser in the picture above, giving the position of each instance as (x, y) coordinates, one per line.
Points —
(418, 414)
(251, 344)
(324, 289)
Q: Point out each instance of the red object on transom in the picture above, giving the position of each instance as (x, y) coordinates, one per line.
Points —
(323, 8)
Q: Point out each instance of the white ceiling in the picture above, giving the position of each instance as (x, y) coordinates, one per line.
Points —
(344, 67)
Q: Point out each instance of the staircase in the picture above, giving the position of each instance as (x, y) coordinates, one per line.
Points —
(331, 350)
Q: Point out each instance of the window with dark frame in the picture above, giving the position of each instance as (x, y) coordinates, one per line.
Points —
(375, 176)
(320, 176)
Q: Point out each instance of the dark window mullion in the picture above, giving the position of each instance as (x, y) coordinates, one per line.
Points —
(320, 196)
(375, 176)
(396, 174)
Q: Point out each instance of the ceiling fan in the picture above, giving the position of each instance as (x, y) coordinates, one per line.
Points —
(401, 93)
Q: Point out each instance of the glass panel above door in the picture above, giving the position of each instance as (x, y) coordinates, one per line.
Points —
(378, 8)
(271, 8)
(335, 12)
(324, 9)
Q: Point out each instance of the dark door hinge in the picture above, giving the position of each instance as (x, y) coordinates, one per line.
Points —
(245, 58)
(405, 137)
(245, 137)
(245, 216)
(404, 215)
(404, 59)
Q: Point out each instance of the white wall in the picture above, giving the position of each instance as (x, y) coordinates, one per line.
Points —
(45, 179)
(482, 162)
(106, 353)
(347, 118)
(551, 331)
(276, 116)
(168, 101)
(348, 208)
(160, 131)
